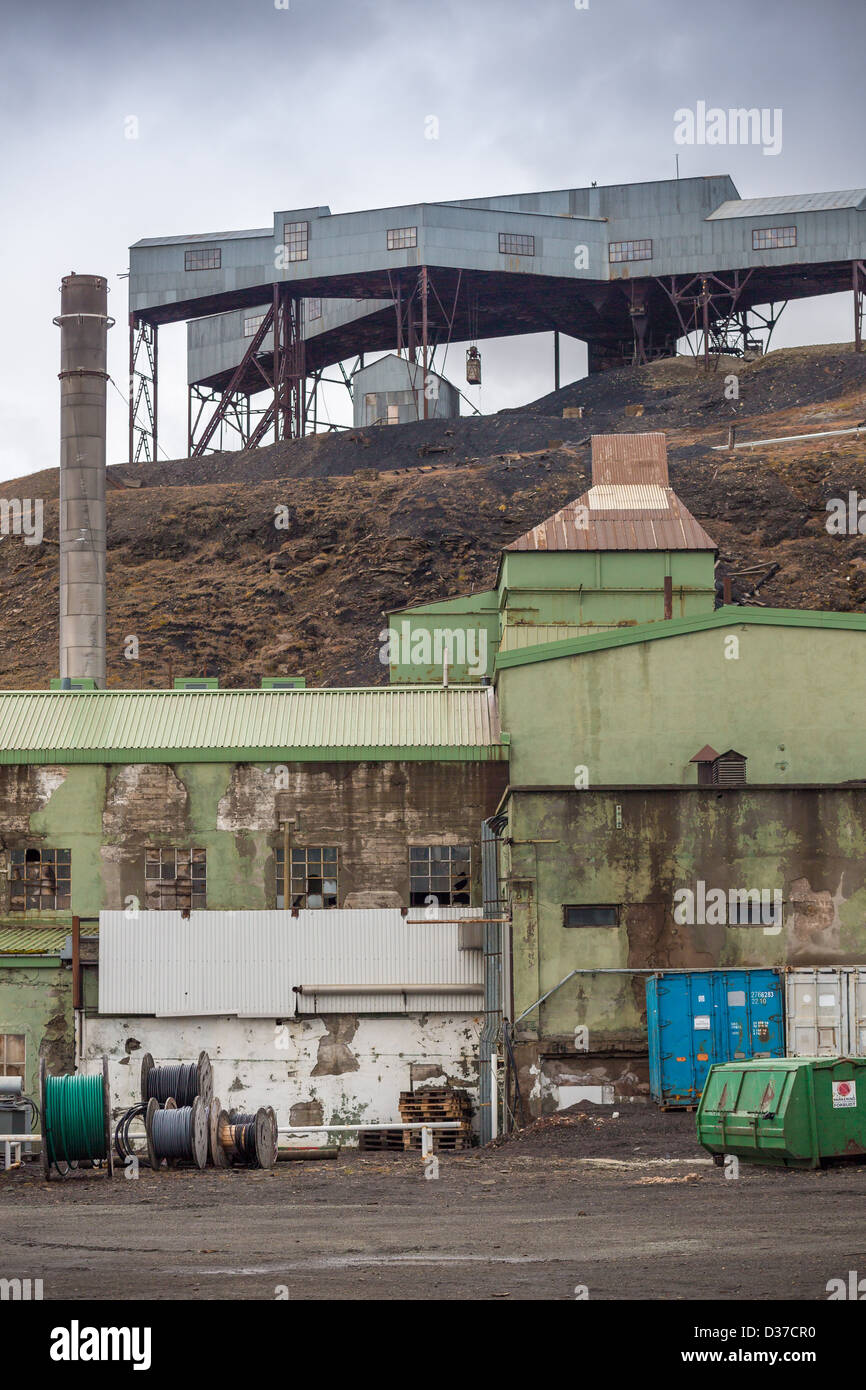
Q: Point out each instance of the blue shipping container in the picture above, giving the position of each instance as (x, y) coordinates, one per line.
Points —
(698, 1017)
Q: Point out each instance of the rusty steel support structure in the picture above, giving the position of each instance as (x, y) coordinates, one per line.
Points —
(738, 335)
(240, 417)
(707, 300)
(425, 293)
(290, 396)
(858, 284)
(638, 309)
(249, 360)
(143, 390)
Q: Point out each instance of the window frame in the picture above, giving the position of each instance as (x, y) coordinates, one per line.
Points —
(256, 320)
(49, 857)
(732, 911)
(203, 253)
(401, 238)
(777, 241)
(303, 879)
(8, 1068)
(514, 238)
(309, 313)
(197, 898)
(294, 239)
(590, 907)
(619, 252)
(452, 896)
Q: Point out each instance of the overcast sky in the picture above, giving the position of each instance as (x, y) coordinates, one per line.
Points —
(243, 107)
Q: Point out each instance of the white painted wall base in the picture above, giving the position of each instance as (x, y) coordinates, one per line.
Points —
(355, 1068)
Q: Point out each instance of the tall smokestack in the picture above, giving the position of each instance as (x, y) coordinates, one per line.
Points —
(84, 325)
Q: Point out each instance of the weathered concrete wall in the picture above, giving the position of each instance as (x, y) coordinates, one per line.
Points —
(36, 1000)
(338, 1069)
(371, 811)
(787, 697)
(810, 845)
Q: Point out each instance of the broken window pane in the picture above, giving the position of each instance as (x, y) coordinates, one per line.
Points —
(442, 872)
(175, 880)
(308, 887)
(40, 880)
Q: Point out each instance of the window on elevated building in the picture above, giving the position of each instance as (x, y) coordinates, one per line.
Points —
(443, 872)
(401, 238)
(175, 880)
(314, 876)
(40, 880)
(631, 250)
(313, 309)
(516, 244)
(203, 258)
(768, 238)
(253, 324)
(296, 238)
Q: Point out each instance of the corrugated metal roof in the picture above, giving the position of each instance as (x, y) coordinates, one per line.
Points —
(630, 458)
(460, 722)
(247, 963)
(629, 507)
(791, 202)
(681, 627)
(32, 941)
(203, 236)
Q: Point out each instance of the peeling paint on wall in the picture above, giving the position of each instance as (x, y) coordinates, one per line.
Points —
(256, 1063)
(335, 1056)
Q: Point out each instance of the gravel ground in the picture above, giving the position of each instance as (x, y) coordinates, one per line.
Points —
(625, 1208)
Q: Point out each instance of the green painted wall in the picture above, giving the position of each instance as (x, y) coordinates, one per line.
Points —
(107, 816)
(592, 589)
(808, 843)
(36, 1000)
(543, 596)
(468, 627)
(790, 700)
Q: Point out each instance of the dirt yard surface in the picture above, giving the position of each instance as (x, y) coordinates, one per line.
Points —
(627, 1208)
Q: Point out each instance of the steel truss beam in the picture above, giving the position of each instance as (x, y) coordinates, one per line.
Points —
(143, 390)
(227, 399)
(240, 417)
(739, 335)
(707, 299)
(858, 282)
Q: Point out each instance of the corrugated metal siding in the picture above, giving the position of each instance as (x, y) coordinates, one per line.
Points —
(247, 963)
(630, 458)
(92, 726)
(791, 202)
(32, 941)
(826, 1011)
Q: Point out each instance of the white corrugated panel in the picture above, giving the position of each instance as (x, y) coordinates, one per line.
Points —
(248, 963)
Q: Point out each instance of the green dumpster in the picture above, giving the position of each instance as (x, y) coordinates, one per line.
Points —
(795, 1111)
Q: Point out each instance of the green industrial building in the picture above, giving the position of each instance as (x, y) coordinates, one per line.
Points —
(627, 743)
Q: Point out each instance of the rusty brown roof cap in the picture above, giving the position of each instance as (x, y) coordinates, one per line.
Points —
(630, 458)
(630, 505)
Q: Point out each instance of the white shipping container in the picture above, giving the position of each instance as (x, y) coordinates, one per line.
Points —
(825, 1011)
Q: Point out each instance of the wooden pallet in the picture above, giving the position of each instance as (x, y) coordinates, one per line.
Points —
(381, 1140)
(444, 1140)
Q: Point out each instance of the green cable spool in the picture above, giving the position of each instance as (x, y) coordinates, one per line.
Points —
(75, 1120)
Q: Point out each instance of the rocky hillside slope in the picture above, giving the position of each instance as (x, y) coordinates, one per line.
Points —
(381, 518)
